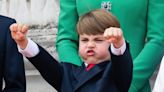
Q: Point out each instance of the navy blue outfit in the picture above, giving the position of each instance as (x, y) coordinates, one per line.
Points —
(11, 61)
(108, 76)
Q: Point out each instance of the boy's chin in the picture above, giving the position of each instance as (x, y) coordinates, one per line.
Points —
(92, 61)
(95, 61)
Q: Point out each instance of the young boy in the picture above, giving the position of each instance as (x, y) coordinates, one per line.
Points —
(107, 62)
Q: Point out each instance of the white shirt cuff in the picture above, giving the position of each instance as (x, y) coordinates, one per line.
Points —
(118, 51)
(31, 49)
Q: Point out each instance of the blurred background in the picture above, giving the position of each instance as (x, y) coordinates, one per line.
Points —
(42, 17)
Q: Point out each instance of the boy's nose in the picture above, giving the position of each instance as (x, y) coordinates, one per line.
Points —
(91, 44)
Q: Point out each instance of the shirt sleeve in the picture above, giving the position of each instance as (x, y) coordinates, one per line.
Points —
(31, 49)
(118, 51)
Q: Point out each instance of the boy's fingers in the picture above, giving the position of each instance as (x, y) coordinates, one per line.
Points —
(107, 33)
(13, 27)
(119, 33)
(111, 40)
(19, 27)
(24, 29)
(20, 36)
(114, 33)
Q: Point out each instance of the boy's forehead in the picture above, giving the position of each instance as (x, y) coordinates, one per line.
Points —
(86, 35)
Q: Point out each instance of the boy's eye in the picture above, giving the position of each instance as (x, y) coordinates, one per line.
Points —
(99, 40)
(84, 40)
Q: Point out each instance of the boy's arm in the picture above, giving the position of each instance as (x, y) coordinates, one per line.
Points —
(122, 65)
(44, 63)
(39, 57)
(18, 33)
(49, 68)
(31, 50)
(118, 51)
(114, 36)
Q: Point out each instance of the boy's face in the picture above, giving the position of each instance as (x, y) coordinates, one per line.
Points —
(93, 48)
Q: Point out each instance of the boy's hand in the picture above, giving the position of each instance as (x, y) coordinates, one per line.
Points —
(114, 35)
(18, 33)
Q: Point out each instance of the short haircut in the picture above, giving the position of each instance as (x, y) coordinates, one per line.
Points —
(96, 21)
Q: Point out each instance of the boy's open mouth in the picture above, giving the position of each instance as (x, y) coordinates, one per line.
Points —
(90, 52)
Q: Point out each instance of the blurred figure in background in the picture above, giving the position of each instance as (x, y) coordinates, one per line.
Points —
(11, 61)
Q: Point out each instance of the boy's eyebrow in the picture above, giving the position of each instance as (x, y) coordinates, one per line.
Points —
(100, 38)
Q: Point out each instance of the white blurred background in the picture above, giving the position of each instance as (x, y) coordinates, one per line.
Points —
(42, 17)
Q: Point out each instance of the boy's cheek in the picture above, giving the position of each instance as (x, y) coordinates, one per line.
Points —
(82, 52)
